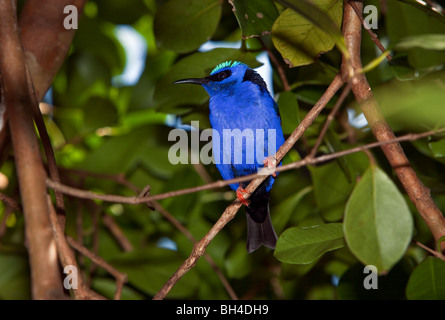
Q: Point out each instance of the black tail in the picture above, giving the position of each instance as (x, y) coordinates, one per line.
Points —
(260, 230)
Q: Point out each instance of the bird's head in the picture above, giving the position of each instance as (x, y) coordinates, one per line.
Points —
(225, 77)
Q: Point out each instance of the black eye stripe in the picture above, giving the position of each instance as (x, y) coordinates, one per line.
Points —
(220, 76)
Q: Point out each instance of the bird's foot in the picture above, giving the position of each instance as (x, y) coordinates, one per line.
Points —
(271, 164)
(240, 192)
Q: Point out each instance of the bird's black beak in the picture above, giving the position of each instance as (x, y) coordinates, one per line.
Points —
(199, 81)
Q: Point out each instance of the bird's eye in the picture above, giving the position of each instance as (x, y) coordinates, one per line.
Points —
(222, 75)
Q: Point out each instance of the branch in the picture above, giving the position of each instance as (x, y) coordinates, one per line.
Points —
(67, 257)
(309, 160)
(45, 273)
(329, 119)
(209, 259)
(417, 192)
(374, 37)
(121, 278)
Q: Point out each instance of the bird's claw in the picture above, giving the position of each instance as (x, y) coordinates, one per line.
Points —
(271, 164)
(240, 192)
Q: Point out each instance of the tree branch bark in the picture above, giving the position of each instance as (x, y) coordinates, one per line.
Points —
(417, 192)
(45, 272)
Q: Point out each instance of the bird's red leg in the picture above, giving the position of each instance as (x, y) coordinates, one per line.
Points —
(271, 164)
(240, 192)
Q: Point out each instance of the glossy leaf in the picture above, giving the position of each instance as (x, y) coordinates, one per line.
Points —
(378, 223)
(332, 189)
(401, 25)
(427, 281)
(183, 25)
(287, 208)
(304, 245)
(255, 18)
(299, 39)
(438, 148)
(425, 41)
(288, 106)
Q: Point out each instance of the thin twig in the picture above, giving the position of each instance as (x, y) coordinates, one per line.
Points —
(67, 257)
(192, 239)
(121, 278)
(10, 202)
(437, 254)
(330, 118)
(117, 232)
(278, 65)
(222, 183)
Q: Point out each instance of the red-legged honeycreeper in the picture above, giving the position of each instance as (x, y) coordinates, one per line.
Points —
(239, 100)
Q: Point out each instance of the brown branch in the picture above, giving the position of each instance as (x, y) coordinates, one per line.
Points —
(67, 257)
(117, 232)
(278, 65)
(47, 147)
(222, 183)
(192, 239)
(417, 192)
(230, 212)
(329, 119)
(374, 37)
(437, 254)
(10, 202)
(120, 277)
(45, 275)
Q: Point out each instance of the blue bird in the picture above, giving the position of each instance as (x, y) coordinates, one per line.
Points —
(242, 111)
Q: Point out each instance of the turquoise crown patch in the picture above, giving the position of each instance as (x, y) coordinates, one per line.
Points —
(225, 65)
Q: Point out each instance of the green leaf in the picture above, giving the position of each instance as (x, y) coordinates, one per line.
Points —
(238, 263)
(378, 224)
(301, 37)
(255, 18)
(99, 113)
(332, 189)
(425, 41)
(423, 6)
(427, 281)
(14, 277)
(288, 105)
(169, 96)
(183, 25)
(121, 12)
(413, 105)
(400, 24)
(304, 245)
(438, 148)
(148, 270)
(287, 208)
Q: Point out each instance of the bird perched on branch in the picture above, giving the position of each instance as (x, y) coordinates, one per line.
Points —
(246, 119)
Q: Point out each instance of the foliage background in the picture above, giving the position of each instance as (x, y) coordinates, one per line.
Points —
(103, 129)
